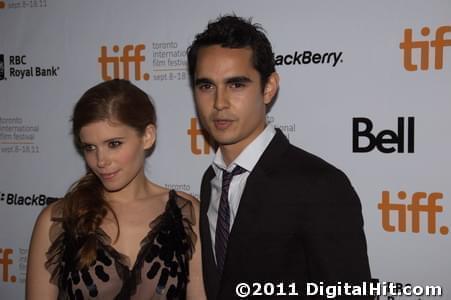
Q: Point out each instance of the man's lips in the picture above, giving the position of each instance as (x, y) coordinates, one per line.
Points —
(222, 124)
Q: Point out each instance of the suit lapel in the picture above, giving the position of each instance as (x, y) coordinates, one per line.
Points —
(211, 274)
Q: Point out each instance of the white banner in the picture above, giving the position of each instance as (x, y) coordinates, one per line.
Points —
(364, 84)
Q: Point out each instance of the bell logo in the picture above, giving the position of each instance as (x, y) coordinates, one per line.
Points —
(194, 132)
(438, 44)
(421, 205)
(130, 55)
(5, 262)
(386, 141)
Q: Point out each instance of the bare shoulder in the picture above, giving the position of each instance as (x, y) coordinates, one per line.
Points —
(44, 225)
(45, 217)
(190, 208)
(194, 201)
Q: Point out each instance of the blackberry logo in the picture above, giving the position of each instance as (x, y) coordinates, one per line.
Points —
(309, 57)
(31, 200)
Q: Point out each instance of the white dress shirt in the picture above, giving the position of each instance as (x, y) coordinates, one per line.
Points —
(247, 159)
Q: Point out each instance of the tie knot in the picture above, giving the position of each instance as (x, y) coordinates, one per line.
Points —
(236, 171)
(227, 176)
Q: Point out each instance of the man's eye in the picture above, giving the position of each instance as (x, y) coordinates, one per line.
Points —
(205, 86)
(237, 85)
(115, 144)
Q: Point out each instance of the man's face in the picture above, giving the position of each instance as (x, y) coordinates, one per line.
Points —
(229, 97)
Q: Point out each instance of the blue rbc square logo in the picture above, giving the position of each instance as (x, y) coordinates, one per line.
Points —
(2, 67)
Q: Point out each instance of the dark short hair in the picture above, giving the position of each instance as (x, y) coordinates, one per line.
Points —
(231, 31)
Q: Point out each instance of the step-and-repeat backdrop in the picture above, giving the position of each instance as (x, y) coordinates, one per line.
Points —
(364, 84)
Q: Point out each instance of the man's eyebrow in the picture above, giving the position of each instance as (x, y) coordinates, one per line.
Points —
(202, 81)
(234, 79)
(238, 79)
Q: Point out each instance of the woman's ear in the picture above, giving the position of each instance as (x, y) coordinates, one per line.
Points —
(149, 136)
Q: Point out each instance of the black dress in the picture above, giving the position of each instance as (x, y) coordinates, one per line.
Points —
(161, 267)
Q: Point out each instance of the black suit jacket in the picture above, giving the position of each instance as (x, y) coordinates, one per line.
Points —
(299, 220)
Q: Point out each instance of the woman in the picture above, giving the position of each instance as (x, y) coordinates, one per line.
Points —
(115, 234)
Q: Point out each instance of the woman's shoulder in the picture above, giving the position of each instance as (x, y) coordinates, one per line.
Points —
(48, 215)
(178, 201)
(186, 199)
(48, 226)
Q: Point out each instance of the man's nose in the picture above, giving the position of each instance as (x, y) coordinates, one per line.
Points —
(221, 99)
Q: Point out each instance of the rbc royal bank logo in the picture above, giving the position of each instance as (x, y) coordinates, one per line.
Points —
(117, 62)
(436, 46)
(20, 67)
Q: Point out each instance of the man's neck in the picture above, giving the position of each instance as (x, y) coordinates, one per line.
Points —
(232, 151)
(229, 153)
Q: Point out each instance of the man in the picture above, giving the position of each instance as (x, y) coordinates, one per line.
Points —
(270, 212)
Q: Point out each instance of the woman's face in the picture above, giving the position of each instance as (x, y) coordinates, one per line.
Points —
(115, 152)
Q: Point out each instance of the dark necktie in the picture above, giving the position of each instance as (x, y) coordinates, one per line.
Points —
(223, 222)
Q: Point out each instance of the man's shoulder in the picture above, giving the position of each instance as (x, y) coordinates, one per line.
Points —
(295, 155)
(298, 161)
(283, 151)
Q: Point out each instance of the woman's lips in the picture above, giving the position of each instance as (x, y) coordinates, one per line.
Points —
(108, 176)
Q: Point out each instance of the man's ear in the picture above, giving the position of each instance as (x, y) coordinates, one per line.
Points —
(271, 87)
(150, 134)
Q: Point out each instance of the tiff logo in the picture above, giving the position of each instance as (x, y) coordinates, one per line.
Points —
(195, 132)
(120, 64)
(419, 206)
(408, 45)
(5, 262)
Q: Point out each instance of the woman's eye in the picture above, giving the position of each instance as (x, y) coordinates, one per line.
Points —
(88, 148)
(115, 144)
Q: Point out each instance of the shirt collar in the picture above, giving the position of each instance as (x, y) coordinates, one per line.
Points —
(249, 157)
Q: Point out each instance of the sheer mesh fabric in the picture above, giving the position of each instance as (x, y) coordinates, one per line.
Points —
(160, 271)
